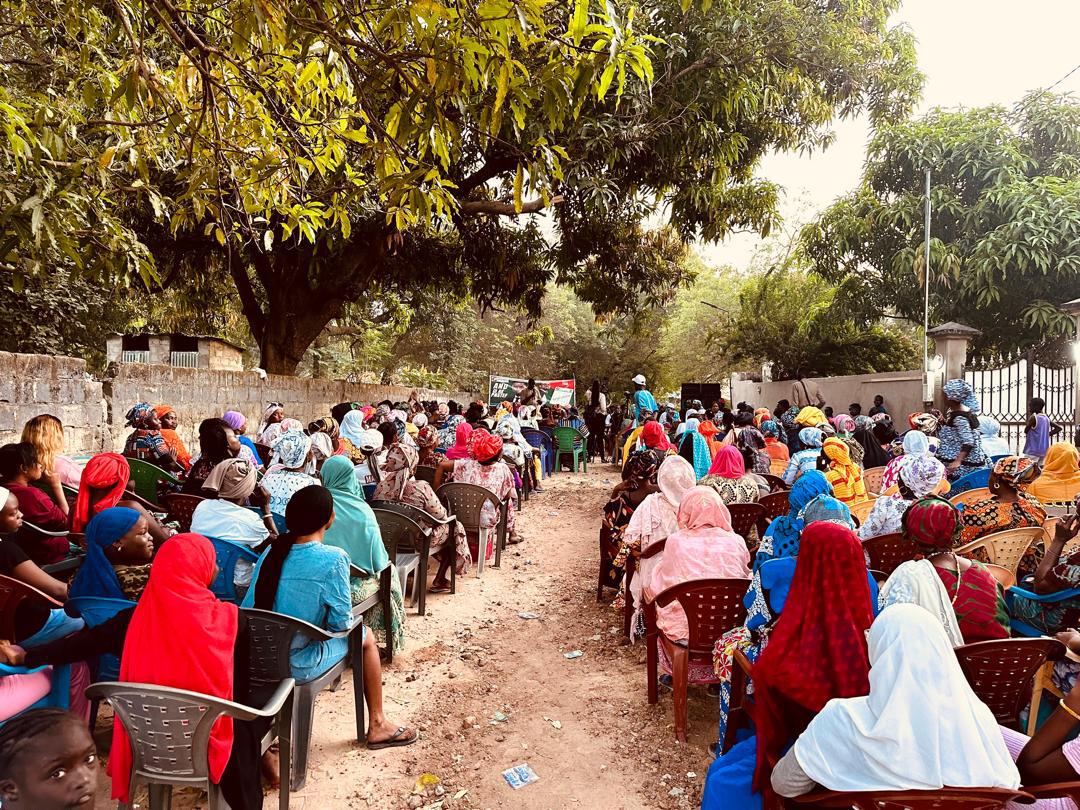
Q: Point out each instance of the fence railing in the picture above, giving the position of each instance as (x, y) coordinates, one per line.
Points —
(184, 359)
(135, 357)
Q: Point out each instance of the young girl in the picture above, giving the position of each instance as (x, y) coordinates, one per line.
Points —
(47, 762)
(19, 470)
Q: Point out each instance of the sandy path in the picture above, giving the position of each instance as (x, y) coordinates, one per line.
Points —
(471, 657)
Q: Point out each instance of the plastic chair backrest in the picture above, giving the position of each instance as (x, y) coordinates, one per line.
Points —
(533, 437)
(968, 496)
(775, 482)
(775, 505)
(888, 551)
(973, 480)
(400, 533)
(872, 479)
(12, 593)
(182, 507)
(712, 607)
(568, 439)
(146, 477)
(744, 516)
(270, 638)
(946, 797)
(1000, 672)
(860, 511)
(425, 474)
(466, 501)
(227, 555)
(1009, 546)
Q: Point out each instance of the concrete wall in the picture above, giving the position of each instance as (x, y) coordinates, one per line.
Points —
(902, 391)
(93, 411)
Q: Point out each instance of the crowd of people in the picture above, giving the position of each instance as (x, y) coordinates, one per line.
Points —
(852, 673)
(296, 495)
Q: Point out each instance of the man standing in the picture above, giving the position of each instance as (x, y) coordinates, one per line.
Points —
(879, 406)
(805, 393)
(643, 400)
(529, 395)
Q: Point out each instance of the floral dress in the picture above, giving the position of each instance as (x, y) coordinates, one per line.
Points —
(733, 490)
(1053, 617)
(954, 434)
(496, 477)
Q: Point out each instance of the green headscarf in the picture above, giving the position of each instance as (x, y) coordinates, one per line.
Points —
(355, 529)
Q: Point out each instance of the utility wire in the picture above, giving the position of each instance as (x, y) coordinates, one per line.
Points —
(1047, 89)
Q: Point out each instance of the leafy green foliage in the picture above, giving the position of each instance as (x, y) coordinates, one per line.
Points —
(1004, 230)
(317, 152)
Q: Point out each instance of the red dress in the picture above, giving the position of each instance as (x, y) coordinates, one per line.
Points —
(39, 509)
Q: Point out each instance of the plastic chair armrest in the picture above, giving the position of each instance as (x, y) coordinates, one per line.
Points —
(275, 702)
(7, 669)
(358, 572)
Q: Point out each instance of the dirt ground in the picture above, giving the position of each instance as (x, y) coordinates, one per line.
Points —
(582, 724)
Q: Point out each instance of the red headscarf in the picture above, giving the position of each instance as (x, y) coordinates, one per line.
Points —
(484, 446)
(460, 449)
(108, 471)
(177, 604)
(817, 650)
(652, 434)
(729, 463)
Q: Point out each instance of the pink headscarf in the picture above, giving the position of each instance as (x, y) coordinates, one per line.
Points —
(728, 463)
(460, 448)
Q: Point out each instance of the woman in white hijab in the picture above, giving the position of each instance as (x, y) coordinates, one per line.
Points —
(655, 518)
(915, 582)
(920, 728)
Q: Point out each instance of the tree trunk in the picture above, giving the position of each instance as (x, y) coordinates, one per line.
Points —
(294, 319)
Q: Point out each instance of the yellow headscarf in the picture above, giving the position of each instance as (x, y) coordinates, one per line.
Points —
(1060, 479)
(843, 474)
(811, 417)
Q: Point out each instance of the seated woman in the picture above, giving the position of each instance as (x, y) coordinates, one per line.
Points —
(918, 478)
(427, 439)
(118, 554)
(46, 433)
(19, 470)
(844, 475)
(212, 660)
(806, 459)
(874, 455)
(217, 442)
(752, 445)
(356, 531)
(166, 415)
(398, 484)
(330, 427)
(694, 448)
(915, 443)
(816, 652)
(224, 516)
(238, 422)
(1053, 754)
(702, 547)
(917, 727)
(975, 595)
(293, 452)
(728, 477)
(653, 521)
(484, 469)
(1056, 573)
(145, 441)
(638, 483)
(300, 576)
(961, 448)
(35, 623)
(777, 450)
(270, 429)
(992, 443)
(1008, 507)
(103, 486)
(1060, 478)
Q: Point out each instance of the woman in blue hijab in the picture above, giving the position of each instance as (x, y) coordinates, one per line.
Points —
(118, 554)
(694, 448)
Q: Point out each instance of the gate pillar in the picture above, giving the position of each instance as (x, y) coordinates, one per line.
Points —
(1073, 308)
(951, 343)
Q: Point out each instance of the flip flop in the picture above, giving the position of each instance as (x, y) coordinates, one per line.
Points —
(394, 741)
(438, 589)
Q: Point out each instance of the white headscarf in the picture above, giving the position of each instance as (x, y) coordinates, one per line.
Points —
(916, 443)
(4, 493)
(419, 421)
(352, 427)
(916, 582)
(920, 728)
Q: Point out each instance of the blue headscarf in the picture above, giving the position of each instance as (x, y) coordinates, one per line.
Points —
(962, 392)
(697, 451)
(811, 437)
(96, 576)
(781, 539)
(827, 508)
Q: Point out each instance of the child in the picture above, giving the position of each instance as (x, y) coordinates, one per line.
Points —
(1039, 430)
(47, 762)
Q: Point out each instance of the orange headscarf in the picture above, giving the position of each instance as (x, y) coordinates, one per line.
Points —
(1060, 479)
(708, 429)
(172, 439)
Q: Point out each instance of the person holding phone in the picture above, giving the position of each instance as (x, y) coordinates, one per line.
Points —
(1056, 572)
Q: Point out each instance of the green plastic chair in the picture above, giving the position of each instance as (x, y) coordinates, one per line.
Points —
(146, 476)
(569, 441)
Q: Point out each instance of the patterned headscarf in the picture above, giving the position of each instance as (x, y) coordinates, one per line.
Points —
(863, 421)
(427, 437)
(761, 415)
(922, 474)
(139, 414)
(826, 509)
(931, 523)
(751, 440)
(396, 471)
(781, 539)
(843, 474)
(926, 422)
(328, 425)
(769, 429)
(962, 392)
(483, 446)
(292, 449)
(448, 433)
(844, 424)
(1016, 471)
(811, 437)
(641, 466)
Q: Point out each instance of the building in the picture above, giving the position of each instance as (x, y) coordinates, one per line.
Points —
(181, 351)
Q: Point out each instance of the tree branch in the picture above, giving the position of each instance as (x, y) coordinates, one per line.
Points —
(248, 302)
(505, 209)
(493, 167)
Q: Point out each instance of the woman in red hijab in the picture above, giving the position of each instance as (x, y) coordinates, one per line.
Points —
(654, 438)
(178, 604)
(817, 650)
(103, 486)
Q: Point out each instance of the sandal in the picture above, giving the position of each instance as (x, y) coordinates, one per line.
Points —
(395, 740)
(433, 588)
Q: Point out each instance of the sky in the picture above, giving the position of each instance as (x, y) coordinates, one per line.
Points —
(972, 52)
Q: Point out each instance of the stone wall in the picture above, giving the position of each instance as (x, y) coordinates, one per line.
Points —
(93, 411)
(902, 391)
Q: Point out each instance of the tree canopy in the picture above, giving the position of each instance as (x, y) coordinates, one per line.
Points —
(322, 152)
(1005, 225)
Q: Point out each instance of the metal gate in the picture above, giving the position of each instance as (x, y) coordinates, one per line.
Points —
(1006, 385)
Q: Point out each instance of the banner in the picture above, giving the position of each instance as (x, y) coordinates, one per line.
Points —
(552, 392)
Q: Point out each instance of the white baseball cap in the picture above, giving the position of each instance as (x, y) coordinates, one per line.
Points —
(639, 379)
